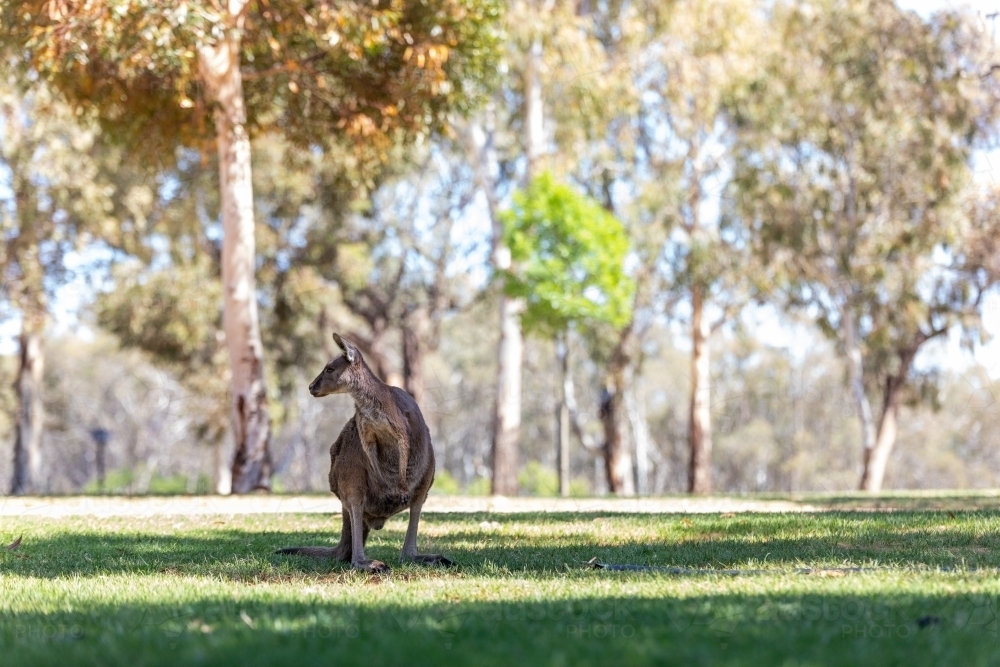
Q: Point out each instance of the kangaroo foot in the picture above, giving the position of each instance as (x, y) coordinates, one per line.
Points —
(430, 559)
(373, 566)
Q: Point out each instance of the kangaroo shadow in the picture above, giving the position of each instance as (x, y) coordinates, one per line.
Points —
(511, 543)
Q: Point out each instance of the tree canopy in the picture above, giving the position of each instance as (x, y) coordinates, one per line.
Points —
(851, 162)
(568, 258)
(373, 72)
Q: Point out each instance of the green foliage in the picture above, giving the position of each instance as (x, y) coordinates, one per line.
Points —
(852, 156)
(173, 314)
(568, 256)
(579, 487)
(123, 481)
(60, 191)
(445, 484)
(480, 486)
(537, 480)
(376, 73)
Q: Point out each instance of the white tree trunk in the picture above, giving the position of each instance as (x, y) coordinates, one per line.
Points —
(562, 452)
(28, 470)
(874, 473)
(636, 411)
(223, 467)
(507, 407)
(219, 67)
(534, 114)
(852, 350)
(507, 414)
(699, 414)
(878, 458)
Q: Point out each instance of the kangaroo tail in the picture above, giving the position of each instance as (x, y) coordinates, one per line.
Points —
(312, 552)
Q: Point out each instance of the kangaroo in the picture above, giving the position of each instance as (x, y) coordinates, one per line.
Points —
(387, 429)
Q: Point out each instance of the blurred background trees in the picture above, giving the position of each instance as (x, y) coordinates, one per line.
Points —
(729, 246)
(856, 203)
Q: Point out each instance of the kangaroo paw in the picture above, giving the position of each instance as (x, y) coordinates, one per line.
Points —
(395, 502)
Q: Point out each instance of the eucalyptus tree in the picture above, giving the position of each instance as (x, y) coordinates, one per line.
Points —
(506, 144)
(644, 131)
(374, 73)
(58, 194)
(392, 259)
(702, 48)
(592, 52)
(852, 156)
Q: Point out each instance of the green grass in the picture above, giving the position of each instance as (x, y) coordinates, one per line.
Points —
(208, 590)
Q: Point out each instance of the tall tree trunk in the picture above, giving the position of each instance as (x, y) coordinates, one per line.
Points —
(562, 414)
(507, 408)
(636, 412)
(30, 410)
(534, 114)
(507, 413)
(617, 444)
(223, 466)
(878, 456)
(220, 71)
(414, 338)
(699, 413)
(852, 350)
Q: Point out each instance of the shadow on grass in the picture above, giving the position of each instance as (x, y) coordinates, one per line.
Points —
(536, 544)
(709, 629)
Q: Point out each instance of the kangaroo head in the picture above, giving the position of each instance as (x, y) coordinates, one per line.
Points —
(342, 374)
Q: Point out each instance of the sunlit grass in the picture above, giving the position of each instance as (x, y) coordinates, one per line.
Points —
(189, 590)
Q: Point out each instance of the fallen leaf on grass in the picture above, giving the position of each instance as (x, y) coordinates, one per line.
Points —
(951, 514)
(687, 522)
(728, 514)
(15, 545)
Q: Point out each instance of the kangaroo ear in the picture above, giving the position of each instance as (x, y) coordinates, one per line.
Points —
(350, 352)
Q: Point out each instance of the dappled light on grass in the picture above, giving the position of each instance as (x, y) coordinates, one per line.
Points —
(534, 544)
(172, 590)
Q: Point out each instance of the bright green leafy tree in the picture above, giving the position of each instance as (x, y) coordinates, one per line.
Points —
(568, 255)
(567, 263)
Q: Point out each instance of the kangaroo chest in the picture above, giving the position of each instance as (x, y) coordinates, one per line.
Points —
(380, 434)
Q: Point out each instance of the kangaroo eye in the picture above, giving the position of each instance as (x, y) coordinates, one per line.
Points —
(329, 370)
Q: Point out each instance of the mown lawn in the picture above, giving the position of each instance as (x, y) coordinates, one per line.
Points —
(209, 590)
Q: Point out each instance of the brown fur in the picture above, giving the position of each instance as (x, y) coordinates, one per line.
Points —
(387, 432)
